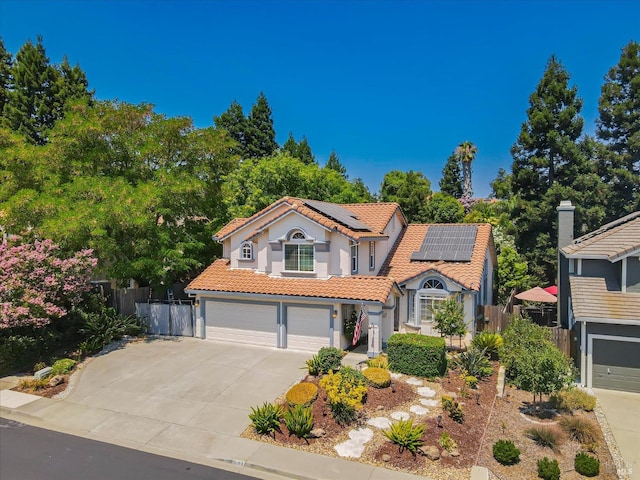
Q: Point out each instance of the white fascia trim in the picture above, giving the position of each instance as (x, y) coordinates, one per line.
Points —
(608, 321)
(209, 293)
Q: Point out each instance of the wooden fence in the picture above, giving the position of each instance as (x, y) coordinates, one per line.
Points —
(496, 318)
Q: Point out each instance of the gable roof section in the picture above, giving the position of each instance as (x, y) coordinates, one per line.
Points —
(218, 277)
(610, 242)
(372, 216)
(593, 299)
(402, 268)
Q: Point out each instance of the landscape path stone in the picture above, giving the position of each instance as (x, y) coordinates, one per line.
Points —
(400, 416)
(429, 403)
(414, 381)
(418, 410)
(426, 392)
(379, 422)
(354, 447)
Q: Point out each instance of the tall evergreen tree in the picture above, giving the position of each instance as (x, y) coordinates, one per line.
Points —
(451, 181)
(619, 127)
(334, 163)
(301, 151)
(235, 123)
(548, 165)
(6, 64)
(409, 189)
(260, 136)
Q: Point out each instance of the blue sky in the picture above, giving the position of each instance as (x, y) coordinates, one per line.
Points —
(388, 85)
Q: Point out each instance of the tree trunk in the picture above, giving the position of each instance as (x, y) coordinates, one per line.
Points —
(467, 191)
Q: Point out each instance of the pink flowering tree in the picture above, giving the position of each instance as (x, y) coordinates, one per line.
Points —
(39, 284)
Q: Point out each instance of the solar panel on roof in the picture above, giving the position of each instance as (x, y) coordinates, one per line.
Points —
(338, 213)
(452, 243)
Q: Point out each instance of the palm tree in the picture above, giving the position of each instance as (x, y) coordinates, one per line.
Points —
(466, 152)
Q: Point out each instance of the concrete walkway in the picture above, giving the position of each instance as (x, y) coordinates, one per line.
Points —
(622, 410)
(188, 399)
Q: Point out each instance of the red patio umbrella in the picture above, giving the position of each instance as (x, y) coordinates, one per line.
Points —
(552, 289)
(537, 294)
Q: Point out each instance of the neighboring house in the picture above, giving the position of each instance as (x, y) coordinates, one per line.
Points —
(599, 297)
(294, 271)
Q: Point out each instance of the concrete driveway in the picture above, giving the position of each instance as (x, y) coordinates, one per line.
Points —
(175, 393)
(622, 410)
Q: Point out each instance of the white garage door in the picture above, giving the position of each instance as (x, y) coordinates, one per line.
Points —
(256, 324)
(308, 329)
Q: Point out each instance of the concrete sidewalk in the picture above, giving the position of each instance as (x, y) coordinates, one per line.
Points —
(186, 399)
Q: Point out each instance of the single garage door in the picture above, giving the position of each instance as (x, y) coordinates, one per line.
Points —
(308, 328)
(616, 365)
(237, 322)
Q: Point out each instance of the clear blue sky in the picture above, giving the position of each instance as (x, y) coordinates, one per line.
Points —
(388, 85)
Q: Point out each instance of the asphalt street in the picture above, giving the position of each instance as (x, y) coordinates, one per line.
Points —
(32, 453)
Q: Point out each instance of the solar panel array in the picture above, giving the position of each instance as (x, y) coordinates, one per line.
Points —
(337, 213)
(451, 243)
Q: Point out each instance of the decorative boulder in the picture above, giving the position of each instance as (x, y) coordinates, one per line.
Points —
(55, 381)
(431, 452)
(317, 433)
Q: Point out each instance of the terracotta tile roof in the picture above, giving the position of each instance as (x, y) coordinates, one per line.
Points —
(376, 216)
(592, 298)
(612, 241)
(401, 268)
(218, 277)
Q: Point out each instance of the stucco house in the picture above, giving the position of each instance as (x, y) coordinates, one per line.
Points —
(291, 274)
(599, 298)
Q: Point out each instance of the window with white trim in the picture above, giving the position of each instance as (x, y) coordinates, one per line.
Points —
(354, 258)
(427, 300)
(372, 255)
(298, 253)
(246, 251)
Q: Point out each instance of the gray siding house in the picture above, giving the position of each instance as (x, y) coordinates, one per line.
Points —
(599, 298)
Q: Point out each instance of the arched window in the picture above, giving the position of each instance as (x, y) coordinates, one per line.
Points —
(246, 251)
(298, 253)
(427, 299)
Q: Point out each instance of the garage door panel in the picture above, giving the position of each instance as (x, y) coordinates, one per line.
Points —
(308, 329)
(616, 365)
(239, 322)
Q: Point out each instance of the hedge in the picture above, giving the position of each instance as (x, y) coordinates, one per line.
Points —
(419, 355)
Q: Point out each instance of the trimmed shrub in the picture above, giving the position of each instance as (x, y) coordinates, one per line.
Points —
(304, 393)
(490, 342)
(299, 421)
(350, 374)
(266, 419)
(330, 359)
(579, 429)
(381, 361)
(505, 452)
(545, 436)
(418, 355)
(471, 381)
(378, 377)
(453, 408)
(573, 399)
(586, 465)
(404, 434)
(62, 366)
(548, 469)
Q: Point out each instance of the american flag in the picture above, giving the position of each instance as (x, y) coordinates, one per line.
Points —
(362, 316)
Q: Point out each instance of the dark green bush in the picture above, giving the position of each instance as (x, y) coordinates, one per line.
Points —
(586, 465)
(266, 419)
(419, 355)
(329, 359)
(505, 452)
(350, 374)
(299, 421)
(343, 413)
(548, 469)
(103, 327)
(21, 348)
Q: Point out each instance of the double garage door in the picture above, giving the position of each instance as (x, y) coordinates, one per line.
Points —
(616, 363)
(299, 327)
